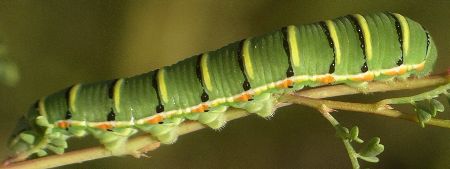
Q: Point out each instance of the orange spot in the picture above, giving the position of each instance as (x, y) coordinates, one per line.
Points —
(105, 126)
(285, 84)
(390, 72)
(201, 108)
(244, 97)
(365, 77)
(420, 67)
(327, 79)
(402, 70)
(155, 120)
(63, 124)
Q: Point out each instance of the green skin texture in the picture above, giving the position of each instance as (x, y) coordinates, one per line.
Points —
(138, 98)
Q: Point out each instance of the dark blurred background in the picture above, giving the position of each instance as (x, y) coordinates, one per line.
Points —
(58, 43)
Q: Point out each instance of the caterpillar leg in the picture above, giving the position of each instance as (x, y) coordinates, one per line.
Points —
(360, 86)
(166, 132)
(214, 118)
(113, 140)
(262, 105)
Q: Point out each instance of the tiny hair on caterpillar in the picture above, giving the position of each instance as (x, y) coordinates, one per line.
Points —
(248, 74)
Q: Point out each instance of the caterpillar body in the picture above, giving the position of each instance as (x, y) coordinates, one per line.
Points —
(247, 74)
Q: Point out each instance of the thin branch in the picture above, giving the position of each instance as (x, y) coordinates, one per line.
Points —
(351, 152)
(144, 143)
(373, 108)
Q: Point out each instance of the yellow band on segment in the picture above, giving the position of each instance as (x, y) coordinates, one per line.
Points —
(117, 87)
(41, 105)
(334, 37)
(73, 96)
(405, 32)
(295, 53)
(247, 61)
(205, 72)
(366, 33)
(162, 85)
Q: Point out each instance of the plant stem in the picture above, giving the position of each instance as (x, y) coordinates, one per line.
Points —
(136, 146)
(374, 108)
(351, 152)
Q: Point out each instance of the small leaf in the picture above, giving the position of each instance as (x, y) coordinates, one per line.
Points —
(342, 132)
(372, 148)
(437, 106)
(354, 132)
(422, 115)
(369, 159)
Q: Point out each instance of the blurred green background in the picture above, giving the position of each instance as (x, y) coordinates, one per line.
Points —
(58, 43)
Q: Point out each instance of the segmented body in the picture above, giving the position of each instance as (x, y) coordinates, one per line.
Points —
(353, 50)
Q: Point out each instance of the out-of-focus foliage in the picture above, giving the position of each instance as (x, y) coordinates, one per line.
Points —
(8, 70)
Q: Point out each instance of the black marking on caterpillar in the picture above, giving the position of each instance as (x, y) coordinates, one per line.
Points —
(204, 97)
(287, 50)
(159, 107)
(111, 88)
(67, 96)
(358, 29)
(398, 27)
(111, 116)
(330, 41)
(246, 85)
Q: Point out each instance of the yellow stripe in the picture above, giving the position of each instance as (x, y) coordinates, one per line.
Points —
(41, 105)
(162, 85)
(72, 97)
(295, 53)
(205, 72)
(247, 61)
(334, 37)
(117, 87)
(405, 32)
(366, 33)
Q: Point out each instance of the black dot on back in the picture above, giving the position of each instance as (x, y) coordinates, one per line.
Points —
(111, 116)
(246, 85)
(68, 115)
(332, 67)
(159, 108)
(204, 97)
(290, 72)
(364, 68)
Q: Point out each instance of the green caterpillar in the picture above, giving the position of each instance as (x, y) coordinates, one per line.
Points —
(247, 74)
